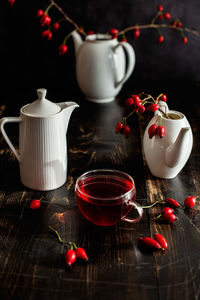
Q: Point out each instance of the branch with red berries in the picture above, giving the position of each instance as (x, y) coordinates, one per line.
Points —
(46, 20)
(139, 104)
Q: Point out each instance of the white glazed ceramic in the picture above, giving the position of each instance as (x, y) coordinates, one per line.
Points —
(101, 66)
(42, 152)
(167, 156)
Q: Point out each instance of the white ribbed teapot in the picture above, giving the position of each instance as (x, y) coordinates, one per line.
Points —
(42, 151)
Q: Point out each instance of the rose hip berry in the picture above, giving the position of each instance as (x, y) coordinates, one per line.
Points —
(185, 40)
(127, 131)
(161, 131)
(159, 7)
(80, 252)
(129, 102)
(172, 202)
(35, 204)
(45, 20)
(119, 127)
(70, 257)
(47, 34)
(152, 130)
(161, 240)
(167, 15)
(62, 49)
(170, 218)
(163, 97)
(160, 39)
(11, 2)
(56, 26)
(136, 33)
(39, 13)
(190, 201)
(167, 210)
(153, 107)
(149, 242)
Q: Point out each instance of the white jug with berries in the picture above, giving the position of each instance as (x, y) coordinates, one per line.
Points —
(42, 151)
(167, 142)
(103, 65)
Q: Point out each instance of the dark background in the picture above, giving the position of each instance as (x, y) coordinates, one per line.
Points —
(28, 60)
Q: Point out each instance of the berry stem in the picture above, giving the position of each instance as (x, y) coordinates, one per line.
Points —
(67, 18)
(151, 205)
(48, 8)
(156, 26)
(59, 238)
(66, 38)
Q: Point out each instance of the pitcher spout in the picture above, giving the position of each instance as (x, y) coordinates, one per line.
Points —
(175, 153)
(67, 109)
(77, 39)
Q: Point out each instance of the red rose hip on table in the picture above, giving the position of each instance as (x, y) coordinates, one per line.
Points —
(190, 201)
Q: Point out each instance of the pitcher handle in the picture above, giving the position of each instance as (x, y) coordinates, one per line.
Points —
(131, 61)
(3, 121)
(139, 209)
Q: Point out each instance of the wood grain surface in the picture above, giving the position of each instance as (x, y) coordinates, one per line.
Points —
(32, 264)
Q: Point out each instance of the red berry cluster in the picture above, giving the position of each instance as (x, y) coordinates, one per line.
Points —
(159, 242)
(137, 103)
(11, 2)
(73, 253)
(45, 20)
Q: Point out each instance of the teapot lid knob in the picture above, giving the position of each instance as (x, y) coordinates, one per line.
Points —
(41, 93)
(41, 107)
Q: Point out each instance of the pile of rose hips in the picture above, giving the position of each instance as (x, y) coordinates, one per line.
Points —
(137, 103)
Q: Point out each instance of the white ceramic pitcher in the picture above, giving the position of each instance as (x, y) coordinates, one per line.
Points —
(167, 156)
(101, 65)
(42, 152)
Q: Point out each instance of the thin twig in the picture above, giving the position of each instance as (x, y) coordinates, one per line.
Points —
(67, 17)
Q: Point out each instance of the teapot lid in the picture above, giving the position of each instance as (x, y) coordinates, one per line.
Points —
(42, 107)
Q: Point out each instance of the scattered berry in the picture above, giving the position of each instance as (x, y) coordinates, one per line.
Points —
(161, 240)
(190, 201)
(149, 242)
(167, 210)
(170, 218)
(70, 257)
(80, 252)
(172, 202)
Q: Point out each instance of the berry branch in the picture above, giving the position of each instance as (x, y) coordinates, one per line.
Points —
(115, 33)
(137, 103)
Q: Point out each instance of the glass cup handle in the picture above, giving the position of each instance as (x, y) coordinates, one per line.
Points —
(140, 211)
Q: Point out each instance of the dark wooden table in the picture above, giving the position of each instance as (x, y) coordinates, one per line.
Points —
(32, 264)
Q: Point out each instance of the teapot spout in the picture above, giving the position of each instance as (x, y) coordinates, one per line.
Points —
(67, 108)
(77, 40)
(176, 152)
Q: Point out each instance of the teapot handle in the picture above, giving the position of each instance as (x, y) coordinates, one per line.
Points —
(131, 61)
(162, 105)
(3, 121)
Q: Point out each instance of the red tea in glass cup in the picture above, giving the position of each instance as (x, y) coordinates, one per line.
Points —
(105, 197)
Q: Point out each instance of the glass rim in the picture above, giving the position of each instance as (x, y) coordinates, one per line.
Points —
(105, 170)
